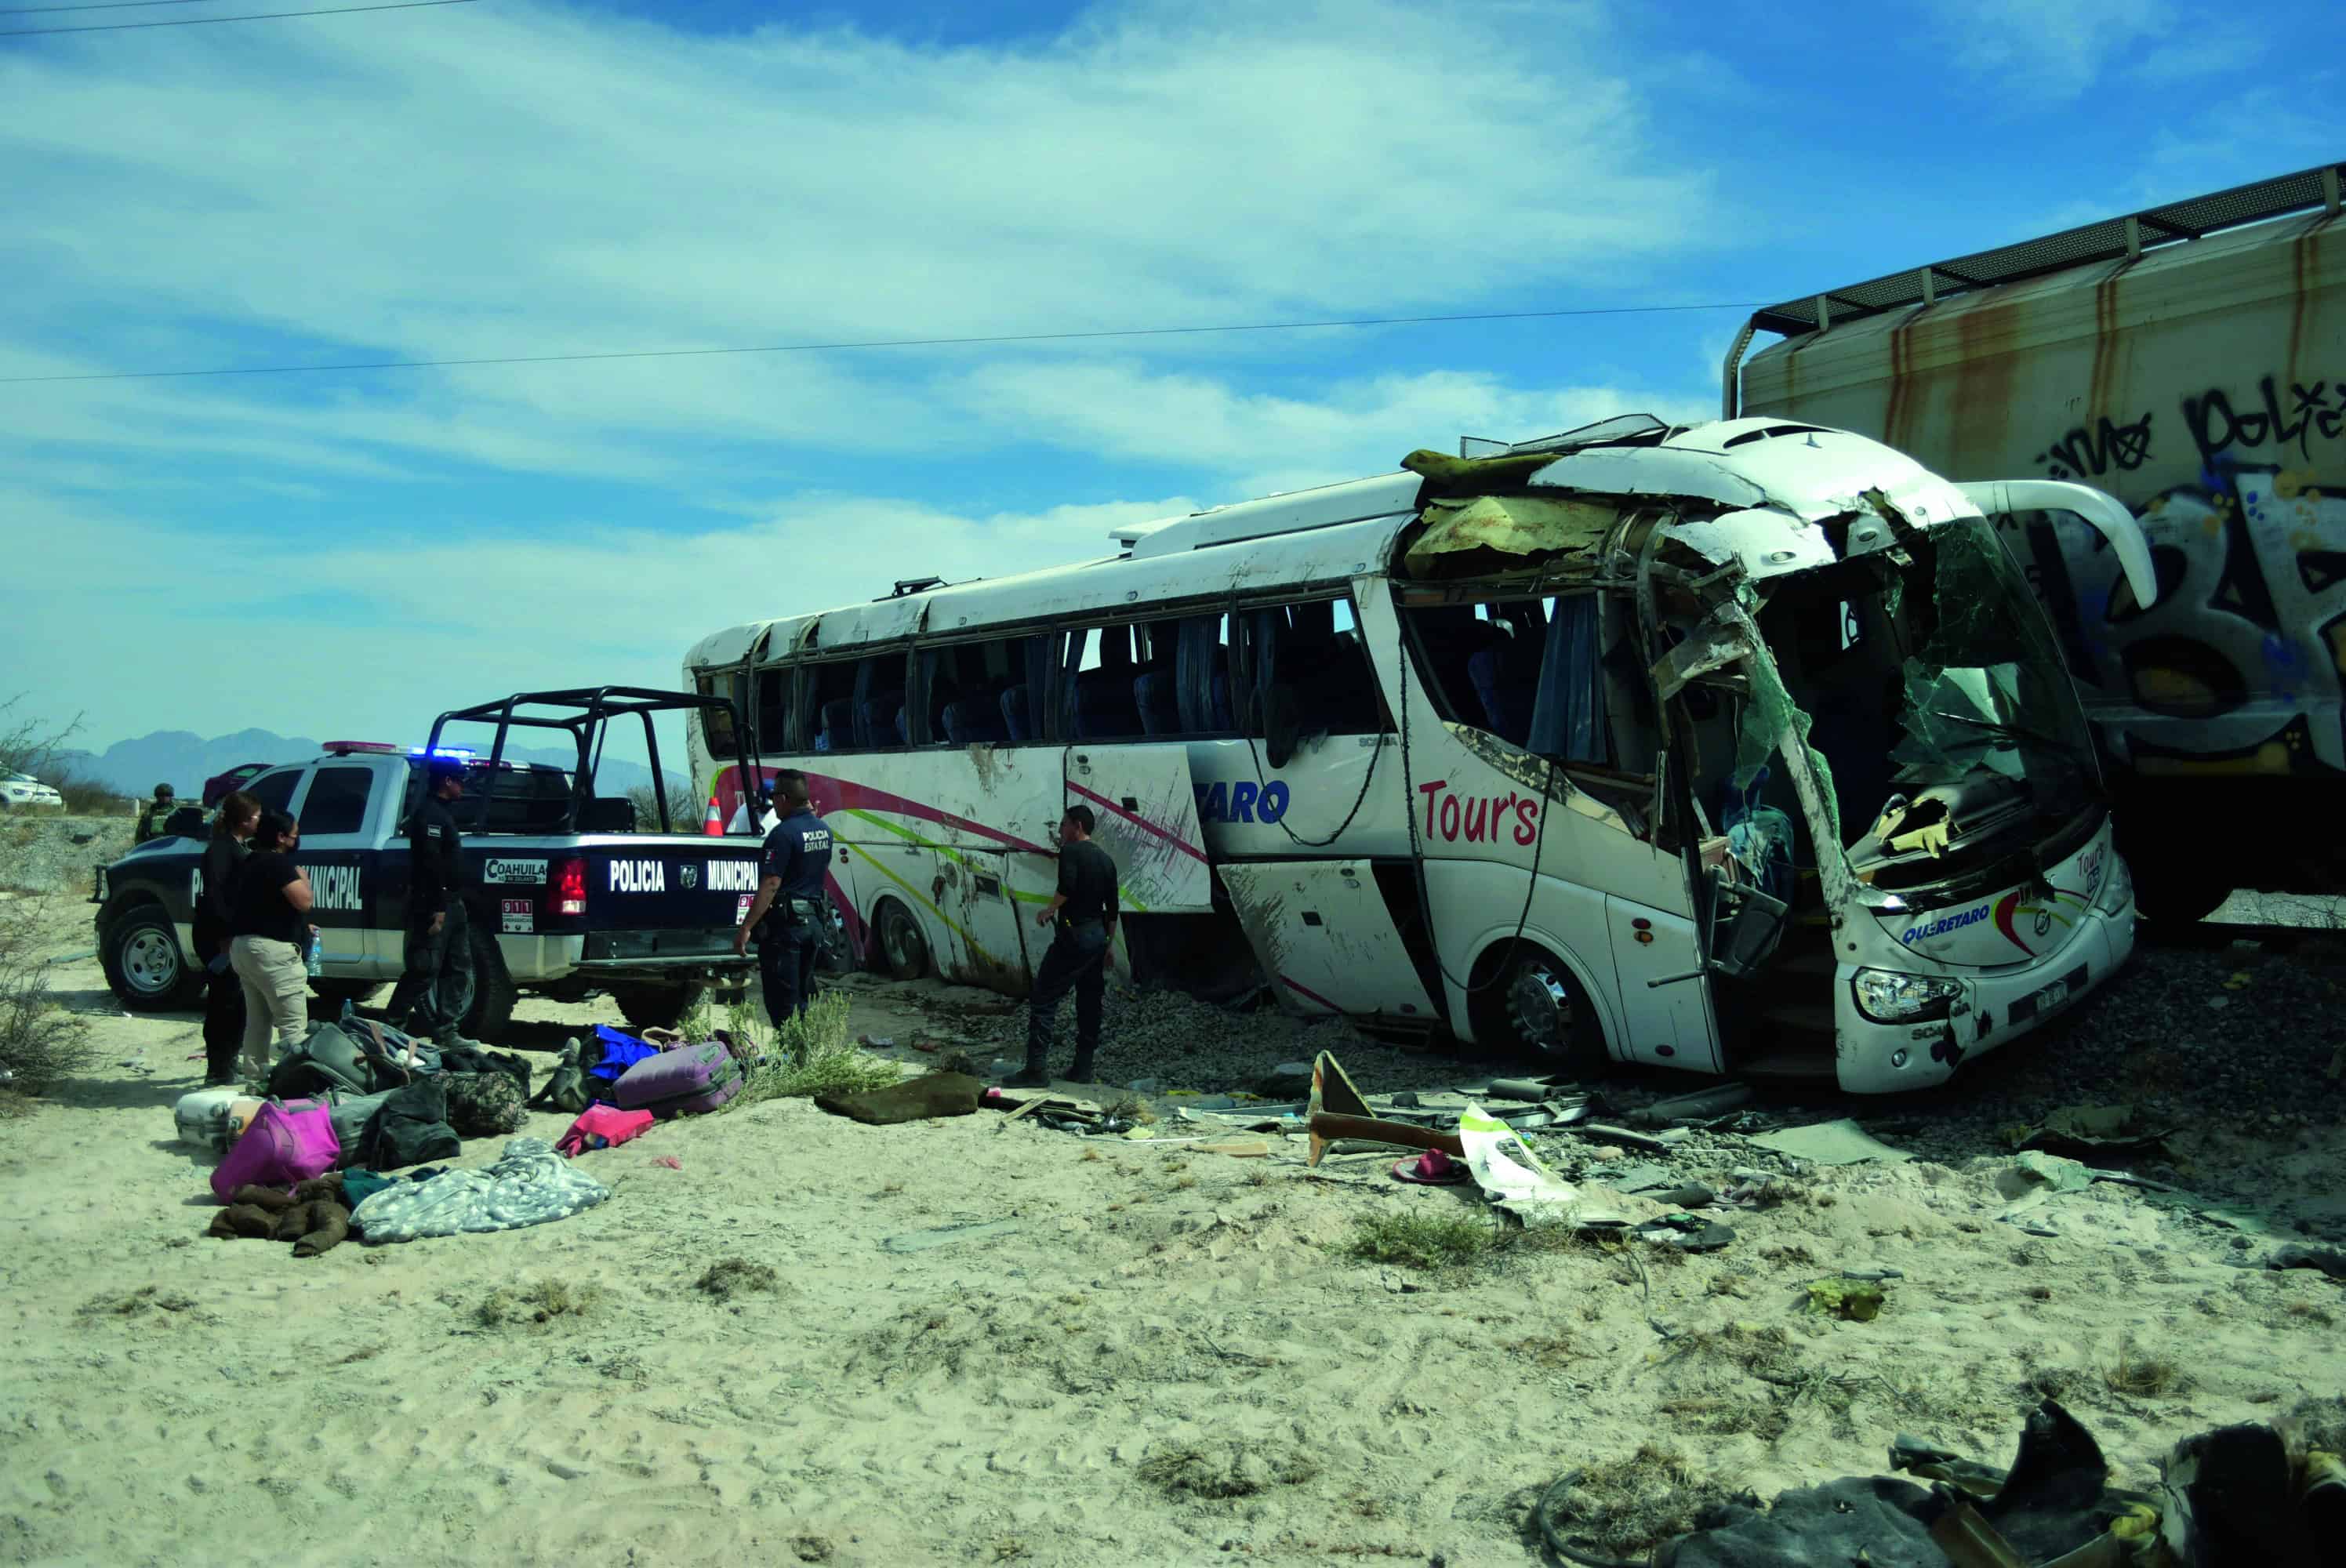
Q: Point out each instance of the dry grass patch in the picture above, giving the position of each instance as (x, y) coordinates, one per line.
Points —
(731, 1276)
(814, 1054)
(1417, 1240)
(1630, 1505)
(1225, 1469)
(537, 1303)
(2144, 1376)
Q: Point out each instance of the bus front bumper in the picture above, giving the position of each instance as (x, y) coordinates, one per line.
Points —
(1872, 1057)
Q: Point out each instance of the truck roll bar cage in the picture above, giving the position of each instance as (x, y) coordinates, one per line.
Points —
(586, 715)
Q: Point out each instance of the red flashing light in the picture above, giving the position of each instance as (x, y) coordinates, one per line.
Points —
(567, 880)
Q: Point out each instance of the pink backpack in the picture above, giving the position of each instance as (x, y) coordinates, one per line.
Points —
(602, 1127)
(287, 1142)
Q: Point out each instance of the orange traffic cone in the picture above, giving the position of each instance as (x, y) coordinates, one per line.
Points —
(713, 825)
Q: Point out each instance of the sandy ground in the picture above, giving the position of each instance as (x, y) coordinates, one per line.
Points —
(996, 1397)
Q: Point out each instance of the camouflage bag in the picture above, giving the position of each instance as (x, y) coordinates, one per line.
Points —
(483, 1104)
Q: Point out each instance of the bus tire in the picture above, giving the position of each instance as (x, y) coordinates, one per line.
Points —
(897, 941)
(139, 951)
(1536, 1003)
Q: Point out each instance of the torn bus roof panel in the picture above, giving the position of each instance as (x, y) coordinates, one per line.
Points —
(1520, 526)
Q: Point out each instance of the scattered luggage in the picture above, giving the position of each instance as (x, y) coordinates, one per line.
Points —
(410, 1128)
(287, 1142)
(485, 1105)
(687, 1081)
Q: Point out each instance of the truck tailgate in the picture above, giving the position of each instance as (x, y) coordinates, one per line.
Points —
(638, 896)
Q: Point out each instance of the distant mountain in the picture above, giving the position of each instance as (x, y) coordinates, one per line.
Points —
(184, 760)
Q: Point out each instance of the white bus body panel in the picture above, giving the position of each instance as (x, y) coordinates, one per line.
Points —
(1325, 938)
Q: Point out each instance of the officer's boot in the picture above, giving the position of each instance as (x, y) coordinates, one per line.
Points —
(1036, 1074)
(1082, 1071)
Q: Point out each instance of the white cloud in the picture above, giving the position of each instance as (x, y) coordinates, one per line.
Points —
(2029, 50)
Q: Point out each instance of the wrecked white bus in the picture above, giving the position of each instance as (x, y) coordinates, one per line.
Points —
(2187, 359)
(1738, 748)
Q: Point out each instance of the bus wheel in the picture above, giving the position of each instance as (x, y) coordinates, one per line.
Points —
(903, 952)
(1547, 1015)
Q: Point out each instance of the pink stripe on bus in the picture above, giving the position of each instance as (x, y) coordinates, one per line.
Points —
(1171, 837)
(1308, 994)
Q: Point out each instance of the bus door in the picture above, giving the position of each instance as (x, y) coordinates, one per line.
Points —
(1145, 812)
(1325, 936)
(1667, 1024)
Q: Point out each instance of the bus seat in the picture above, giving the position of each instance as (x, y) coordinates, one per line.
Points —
(975, 718)
(1506, 680)
(1015, 715)
(1156, 694)
(875, 719)
(1103, 710)
(837, 724)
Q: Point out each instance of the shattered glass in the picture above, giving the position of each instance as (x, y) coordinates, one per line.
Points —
(1772, 712)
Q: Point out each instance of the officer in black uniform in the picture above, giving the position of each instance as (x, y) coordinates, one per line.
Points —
(438, 984)
(1084, 912)
(787, 915)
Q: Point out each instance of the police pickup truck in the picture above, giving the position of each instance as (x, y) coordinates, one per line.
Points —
(567, 897)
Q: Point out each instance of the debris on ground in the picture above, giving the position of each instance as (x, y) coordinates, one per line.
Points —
(1836, 1143)
(1857, 1300)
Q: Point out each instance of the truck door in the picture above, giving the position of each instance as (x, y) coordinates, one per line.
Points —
(1323, 933)
(1146, 812)
(338, 811)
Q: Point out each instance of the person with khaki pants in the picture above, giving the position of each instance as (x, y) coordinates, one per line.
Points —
(269, 939)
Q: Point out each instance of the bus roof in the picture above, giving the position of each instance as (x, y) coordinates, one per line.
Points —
(1757, 484)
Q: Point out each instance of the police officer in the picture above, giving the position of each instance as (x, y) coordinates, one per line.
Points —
(438, 984)
(152, 814)
(1084, 911)
(787, 914)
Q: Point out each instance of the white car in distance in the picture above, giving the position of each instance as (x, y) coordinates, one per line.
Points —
(23, 790)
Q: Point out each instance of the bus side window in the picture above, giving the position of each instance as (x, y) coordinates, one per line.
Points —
(1157, 680)
(715, 724)
(1096, 696)
(964, 691)
(1026, 696)
(1202, 667)
(1314, 651)
(880, 718)
(772, 730)
(830, 705)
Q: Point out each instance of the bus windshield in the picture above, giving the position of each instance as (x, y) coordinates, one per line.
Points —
(1937, 695)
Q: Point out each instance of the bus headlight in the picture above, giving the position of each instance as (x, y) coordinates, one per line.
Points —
(1888, 997)
(2119, 892)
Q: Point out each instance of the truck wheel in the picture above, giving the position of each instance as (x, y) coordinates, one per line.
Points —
(1538, 1006)
(657, 1006)
(493, 990)
(141, 953)
(898, 943)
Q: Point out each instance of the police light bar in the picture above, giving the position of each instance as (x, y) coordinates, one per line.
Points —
(348, 747)
(458, 751)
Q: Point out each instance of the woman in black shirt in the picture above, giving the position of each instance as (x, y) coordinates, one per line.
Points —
(240, 814)
(269, 943)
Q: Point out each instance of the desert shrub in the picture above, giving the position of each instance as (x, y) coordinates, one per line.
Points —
(1420, 1240)
(40, 1043)
(813, 1054)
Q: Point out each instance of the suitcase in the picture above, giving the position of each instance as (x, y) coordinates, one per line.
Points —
(685, 1081)
(203, 1118)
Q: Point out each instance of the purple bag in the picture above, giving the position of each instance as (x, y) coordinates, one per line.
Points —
(685, 1080)
(288, 1142)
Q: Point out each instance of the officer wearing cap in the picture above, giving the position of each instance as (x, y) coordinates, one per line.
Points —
(153, 813)
(438, 984)
(788, 913)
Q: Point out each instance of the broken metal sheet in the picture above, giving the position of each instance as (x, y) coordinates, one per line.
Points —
(1523, 525)
(1651, 471)
(1715, 642)
(1760, 542)
(1838, 1142)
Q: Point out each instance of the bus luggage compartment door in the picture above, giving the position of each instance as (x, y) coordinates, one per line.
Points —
(1324, 935)
(1146, 817)
(1669, 1025)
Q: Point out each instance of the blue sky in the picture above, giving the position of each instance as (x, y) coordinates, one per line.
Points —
(351, 553)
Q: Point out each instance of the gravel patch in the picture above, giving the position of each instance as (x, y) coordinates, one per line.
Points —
(1182, 1043)
(45, 854)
